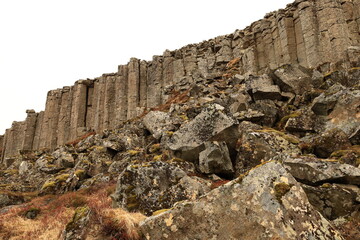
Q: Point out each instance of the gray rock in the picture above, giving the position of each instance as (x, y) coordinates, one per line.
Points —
(158, 122)
(269, 202)
(157, 185)
(293, 78)
(315, 171)
(262, 87)
(325, 103)
(333, 200)
(215, 159)
(212, 121)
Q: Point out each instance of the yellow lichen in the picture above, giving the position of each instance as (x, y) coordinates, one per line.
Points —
(62, 178)
(160, 211)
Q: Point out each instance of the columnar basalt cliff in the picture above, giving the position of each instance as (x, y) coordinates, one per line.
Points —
(321, 34)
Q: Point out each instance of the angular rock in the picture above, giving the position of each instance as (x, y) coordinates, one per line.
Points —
(316, 171)
(269, 109)
(329, 142)
(212, 121)
(76, 228)
(325, 103)
(333, 200)
(262, 87)
(158, 122)
(292, 78)
(63, 158)
(355, 137)
(157, 185)
(258, 145)
(269, 202)
(215, 159)
(301, 122)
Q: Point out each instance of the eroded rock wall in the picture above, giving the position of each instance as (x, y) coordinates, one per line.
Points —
(321, 34)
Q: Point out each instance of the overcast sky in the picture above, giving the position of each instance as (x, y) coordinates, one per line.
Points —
(48, 44)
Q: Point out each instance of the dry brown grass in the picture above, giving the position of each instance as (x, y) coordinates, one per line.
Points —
(56, 211)
(79, 139)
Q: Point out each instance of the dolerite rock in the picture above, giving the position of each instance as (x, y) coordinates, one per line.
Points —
(317, 171)
(266, 204)
(329, 142)
(257, 145)
(76, 228)
(216, 159)
(152, 186)
(333, 200)
(325, 103)
(158, 122)
(262, 87)
(212, 121)
(292, 78)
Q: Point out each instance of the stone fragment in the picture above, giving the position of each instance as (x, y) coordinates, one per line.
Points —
(258, 145)
(333, 200)
(269, 201)
(152, 186)
(215, 159)
(292, 78)
(262, 87)
(316, 171)
(76, 228)
(158, 122)
(325, 103)
(212, 121)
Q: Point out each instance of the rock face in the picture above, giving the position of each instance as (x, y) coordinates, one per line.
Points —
(269, 202)
(308, 33)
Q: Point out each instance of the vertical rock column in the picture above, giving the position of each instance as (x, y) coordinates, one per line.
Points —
(78, 109)
(63, 134)
(109, 101)
(29, 134)
(48, 134)
(286, 28)
(133, 87)
(121, 86)
(38, 130)
(143, 85)
(154, 82)
(2, 147)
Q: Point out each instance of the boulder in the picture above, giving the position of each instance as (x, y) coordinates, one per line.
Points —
(157, 123)
(317, 171)
(292, 78)
(216, 159)
(262, 87)
(325, 103)
(329, 142)
(333, 200)
(268, 203)
(188, 140)
(76, 228)
(257, 145)
(156, 185)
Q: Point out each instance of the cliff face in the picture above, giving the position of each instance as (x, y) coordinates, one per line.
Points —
(321, 34)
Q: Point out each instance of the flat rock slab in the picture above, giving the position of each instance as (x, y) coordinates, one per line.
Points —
(316, 171)
(266, 204)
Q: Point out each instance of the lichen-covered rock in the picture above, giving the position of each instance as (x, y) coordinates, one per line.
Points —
(301, 122)
(158, 122)
(210, 122)
(329, 142)
(63, 158)
(151, 186)
(257, 145)
(316, 171)
(268, 202)
(76, 228)
(216, 159)
(292, 78)
(325, 103)
(333, 200)
(262, 87)
(46, 163)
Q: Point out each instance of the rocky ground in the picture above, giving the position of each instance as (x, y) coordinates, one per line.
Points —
(274, 156)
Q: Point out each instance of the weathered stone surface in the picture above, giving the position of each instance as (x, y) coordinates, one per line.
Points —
(317, 171)
(216, 159)
(333, 200)
(269, 202)
(262, 87)
(325, 103)
(209, 123)
(158, 122)
(291, 78)
(76, 228)
(257, 145)
(152, 186)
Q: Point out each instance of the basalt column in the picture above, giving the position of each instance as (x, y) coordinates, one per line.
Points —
(133, 87)
(29, 133)
(63, 135)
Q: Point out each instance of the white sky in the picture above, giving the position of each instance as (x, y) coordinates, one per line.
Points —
(48, 44)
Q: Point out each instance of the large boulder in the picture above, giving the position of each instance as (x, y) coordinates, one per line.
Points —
(292, 78)
(317, 171)
(257, 145)
(188, 140)
(156, 185)
(262, 87)
(268, 203)
(158, 122)
(216, 159)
